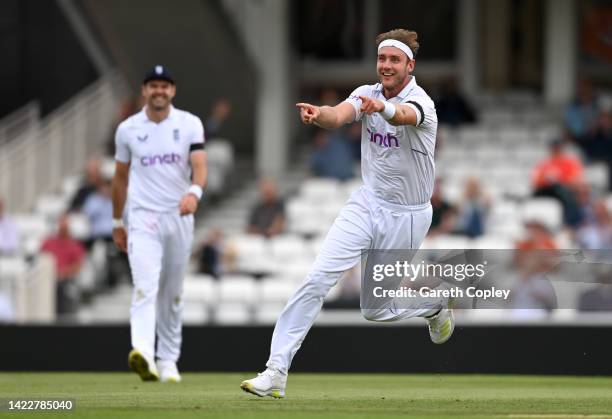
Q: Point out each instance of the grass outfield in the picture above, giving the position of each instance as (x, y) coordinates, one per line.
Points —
(118, 395)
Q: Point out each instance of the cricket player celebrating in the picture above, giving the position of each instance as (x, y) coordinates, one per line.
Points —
(161, 151)
(391, 211)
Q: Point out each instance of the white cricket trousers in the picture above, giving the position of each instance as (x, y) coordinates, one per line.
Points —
(159, 245)
(364, 223)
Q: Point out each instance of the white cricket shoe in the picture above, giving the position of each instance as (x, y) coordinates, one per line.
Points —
(441, 326)
(143, 366)
(271, 383)
(168, 372)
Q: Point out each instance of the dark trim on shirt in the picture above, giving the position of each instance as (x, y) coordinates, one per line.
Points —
(420, 109)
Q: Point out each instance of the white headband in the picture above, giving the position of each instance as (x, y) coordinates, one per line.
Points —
(397, 44)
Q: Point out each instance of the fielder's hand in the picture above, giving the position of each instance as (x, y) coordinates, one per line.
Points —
(370, 105)
(120, 238)
(308, 113)
(188, 204)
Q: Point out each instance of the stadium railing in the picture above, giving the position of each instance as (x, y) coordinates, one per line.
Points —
(30, 288)
(22, 120)
(37, 160)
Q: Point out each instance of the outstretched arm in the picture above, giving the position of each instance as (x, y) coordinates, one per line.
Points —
(404, 114)
(327, 116)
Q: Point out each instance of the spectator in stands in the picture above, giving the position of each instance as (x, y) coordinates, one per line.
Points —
(332, 156)
(535, 257)
(353, 135)
(98, 208)
(556, 177)
(596, 232)
(69, 255)
(452, 107)
(444, 214)
(211, 254)
(537, 236)
(598, 298)
(90, 184)
(581, 115)
(213, 125)
(584, 199)
(267, 217)
(9, 234)
(99, 211)
(473, 210)
(598, 142)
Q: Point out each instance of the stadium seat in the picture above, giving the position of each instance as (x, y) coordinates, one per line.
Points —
(305, 219)
(79, 226)
(449, 242)
(320, 190)
(596, 175)
(220, 157)
(201, 289)
(51, 206)
(547, 211)
(220, 152)
(276, 290)
(267, 314)
(287, 247)
(31, 225)
(492, 242)
(233, 314)
(12, 267)
(253, 253)
(237, 289)
(195, 313)
(515, 136)
(70, 185)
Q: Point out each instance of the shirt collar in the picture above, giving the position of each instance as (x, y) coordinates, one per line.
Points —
(405, 91)
(145, 118)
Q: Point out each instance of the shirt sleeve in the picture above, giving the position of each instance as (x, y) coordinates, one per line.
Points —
(197, 140)
(198, 132)
(354, 100)
(122, 149)
(425, 110)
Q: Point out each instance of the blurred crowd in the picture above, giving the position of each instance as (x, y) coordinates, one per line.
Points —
(335, 155)
(81, 244)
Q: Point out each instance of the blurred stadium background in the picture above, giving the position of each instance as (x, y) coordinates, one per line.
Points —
(523, 92)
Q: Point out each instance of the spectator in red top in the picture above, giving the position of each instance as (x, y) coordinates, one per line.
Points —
(559, 169)
(556, 177)
(69, 255)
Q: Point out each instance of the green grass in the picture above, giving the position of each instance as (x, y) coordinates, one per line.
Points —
(117, 395)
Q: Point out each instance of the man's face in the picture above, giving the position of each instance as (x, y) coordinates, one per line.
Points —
(393, 67)
(158, 94)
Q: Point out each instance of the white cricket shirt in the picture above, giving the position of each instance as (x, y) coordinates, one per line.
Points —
(397, 162)
(158, 153)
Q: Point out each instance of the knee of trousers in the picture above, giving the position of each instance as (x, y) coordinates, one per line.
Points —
(171, 303)
(143, 296)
